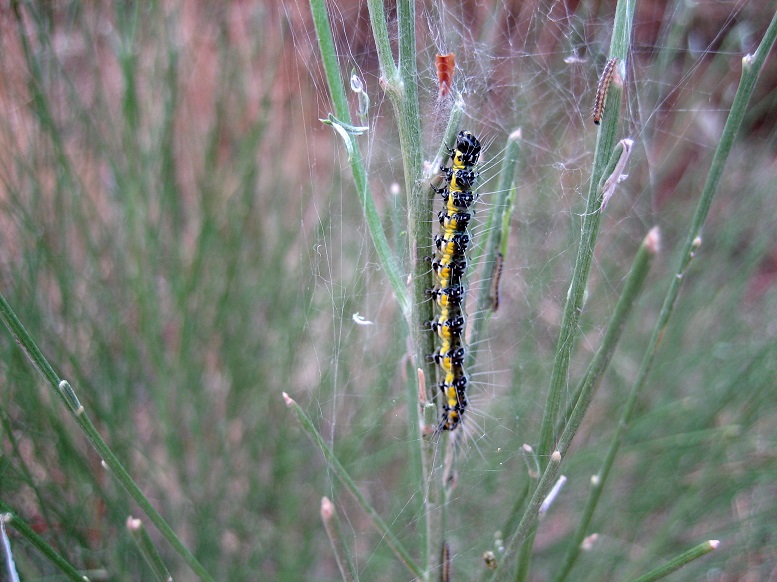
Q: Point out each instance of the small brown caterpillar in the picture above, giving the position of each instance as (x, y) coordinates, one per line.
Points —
(446, 563)
(601, 91)
(500, 259)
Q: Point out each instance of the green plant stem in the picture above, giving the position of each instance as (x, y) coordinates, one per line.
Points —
(340, 104)
(619, 48)
(448, 140)
(340, 472)
(529, 518)
(339, 547)
(751, 67)
(631, 290)
(401, 86)
(495, 228)
(675, 564)
(148, 550)
(627, 300)
(430, 471)
(43, 547)
(67, 396)
(524, 557)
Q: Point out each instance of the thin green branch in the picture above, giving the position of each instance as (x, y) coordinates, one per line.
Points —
(751, 67)
(340, 104)
(683, 559)
(430, 470)
(148, 550)
(21, 526)
(619, 48)
(66, 395)
(593, 377)
(340, 472)
(388, 67)
(339, 547)
(401, 86)
(627, 300)
(631, 290)
(529, 519)
(448, 139)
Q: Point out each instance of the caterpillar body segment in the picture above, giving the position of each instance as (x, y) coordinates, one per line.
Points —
(451, 327)
(449, 296)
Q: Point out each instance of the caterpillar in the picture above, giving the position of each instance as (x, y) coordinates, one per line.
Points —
(601, 90)
(500, 258)
(450, 266)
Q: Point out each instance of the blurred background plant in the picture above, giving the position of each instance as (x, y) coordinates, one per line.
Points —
(180, 235)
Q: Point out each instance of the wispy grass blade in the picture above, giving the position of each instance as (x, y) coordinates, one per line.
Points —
(619, 48)
(10, 518)
(529, 519)
(495, 227)
(400, 83)
(630, 293)
(340, 472)
(339, 547)
(148, 550)
(67, 396)
(675, 564)
(337, 91)
(751, 66)
(631, 290)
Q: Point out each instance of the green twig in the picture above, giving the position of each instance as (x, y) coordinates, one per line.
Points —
(751, 67)
(148, 550)
(431, 471)
(340, 104)
(685, 558)
(619, 48)
(448, 140)
(67, 396)
(401, 86)
(340, 472)
(529, 519)
(332, 527)
(11, 519)
(626, 302)
(631, 291)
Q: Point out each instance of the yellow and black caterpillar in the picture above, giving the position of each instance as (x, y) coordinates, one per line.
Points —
(450, 266)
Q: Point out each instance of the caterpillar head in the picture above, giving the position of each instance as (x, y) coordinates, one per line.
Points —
(467, 149)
